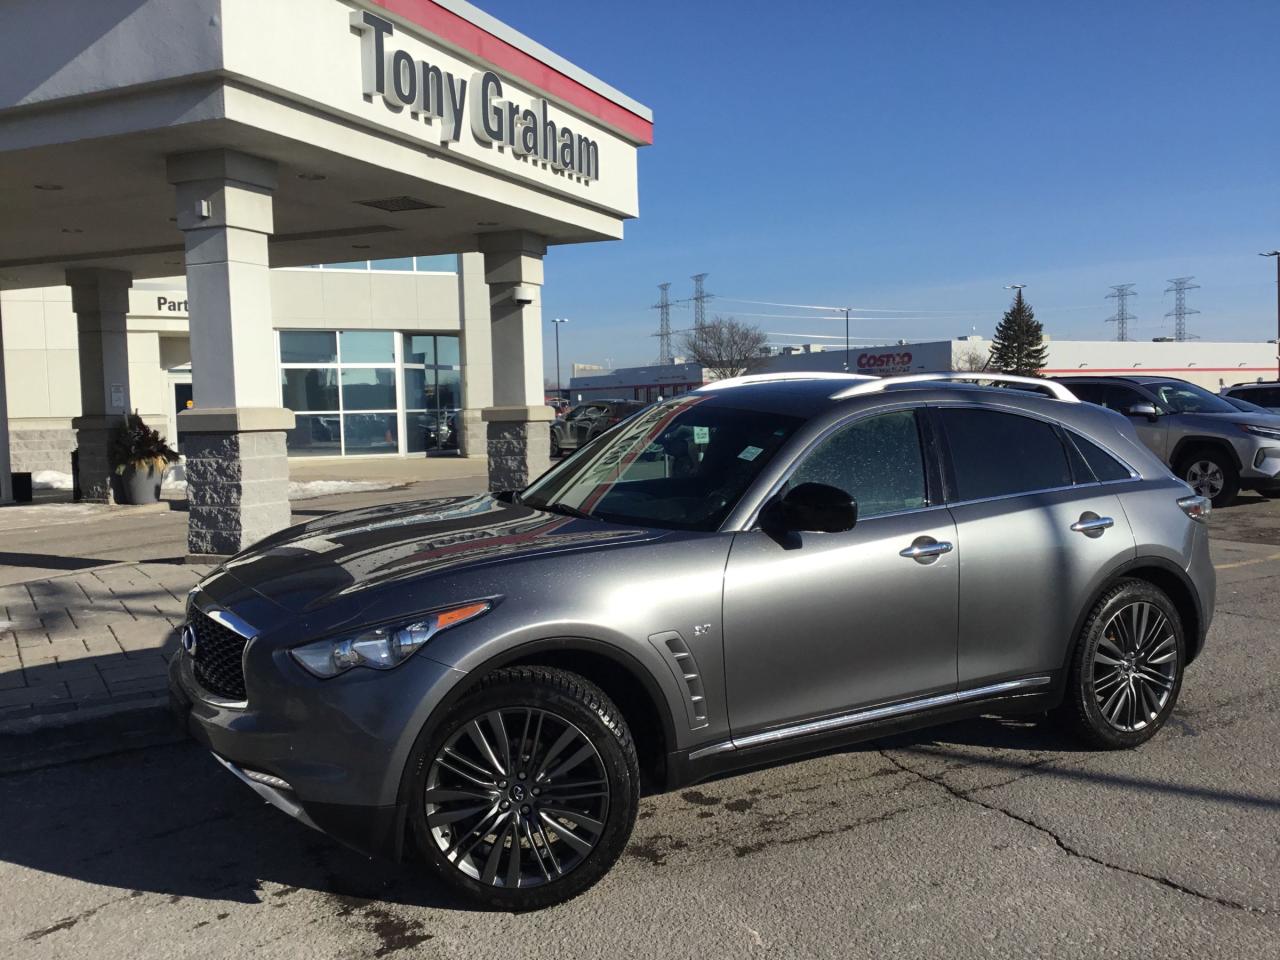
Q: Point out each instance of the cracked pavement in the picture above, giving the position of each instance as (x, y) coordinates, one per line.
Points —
(984, 838)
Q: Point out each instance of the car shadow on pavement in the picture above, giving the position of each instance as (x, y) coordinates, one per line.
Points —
(170, 820)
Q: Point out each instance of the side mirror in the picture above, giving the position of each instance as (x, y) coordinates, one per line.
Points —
(814, 507)
(1147, 410)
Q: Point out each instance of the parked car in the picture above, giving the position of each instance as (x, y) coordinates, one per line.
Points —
(1216, 448)
(1262, 393)
(828, 558)
(586, 421)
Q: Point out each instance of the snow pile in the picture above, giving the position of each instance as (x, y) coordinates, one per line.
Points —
(51, 480)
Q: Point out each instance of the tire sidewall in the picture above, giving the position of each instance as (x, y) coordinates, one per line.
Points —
(540, 691)
(1081, 693)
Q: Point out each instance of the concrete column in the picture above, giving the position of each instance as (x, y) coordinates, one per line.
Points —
(6, 477)
(234, 437)
(100, 299)
(519, 422)
(477, 355)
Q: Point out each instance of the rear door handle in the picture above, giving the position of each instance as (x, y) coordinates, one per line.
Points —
(1092, 525)
(925, 550)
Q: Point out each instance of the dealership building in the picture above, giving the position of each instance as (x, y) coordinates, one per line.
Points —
(1210, 364)
(173, 171)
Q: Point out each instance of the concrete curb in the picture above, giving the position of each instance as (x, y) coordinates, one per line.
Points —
(38, 742)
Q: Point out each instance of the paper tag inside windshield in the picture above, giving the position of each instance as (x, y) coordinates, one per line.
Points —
(701, 434)
(750, 453)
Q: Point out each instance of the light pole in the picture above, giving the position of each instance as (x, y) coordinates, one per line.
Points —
(1276, 254)
(846, 338)
(557, 321)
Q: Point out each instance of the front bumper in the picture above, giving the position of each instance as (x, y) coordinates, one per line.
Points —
(330, 753)
(1259, 465)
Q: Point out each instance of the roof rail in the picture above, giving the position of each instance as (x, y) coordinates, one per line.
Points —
(1055, 390)
(771, 377)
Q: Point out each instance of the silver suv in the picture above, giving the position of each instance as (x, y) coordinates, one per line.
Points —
(1211, 444)
(763, 569)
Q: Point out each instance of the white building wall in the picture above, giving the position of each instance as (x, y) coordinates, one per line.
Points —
(41, 355)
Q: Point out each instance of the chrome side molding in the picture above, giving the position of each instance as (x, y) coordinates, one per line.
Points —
(869, 715)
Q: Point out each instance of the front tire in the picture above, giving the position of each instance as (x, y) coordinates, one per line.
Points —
(526, 793)
(1126, 669)
(1211, 474)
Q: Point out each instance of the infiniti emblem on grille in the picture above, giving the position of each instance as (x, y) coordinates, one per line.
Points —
(189, 640)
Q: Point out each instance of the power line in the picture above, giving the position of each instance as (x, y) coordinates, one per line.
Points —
(1179, 288)
(1121, 292)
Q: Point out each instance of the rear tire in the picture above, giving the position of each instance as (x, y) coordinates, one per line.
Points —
(1126, 669)
(1211, 474)
(525, 794)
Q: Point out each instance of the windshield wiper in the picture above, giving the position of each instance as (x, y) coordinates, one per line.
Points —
(561, 508)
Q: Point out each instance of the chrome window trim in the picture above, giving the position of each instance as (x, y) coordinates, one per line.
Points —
(868, 715)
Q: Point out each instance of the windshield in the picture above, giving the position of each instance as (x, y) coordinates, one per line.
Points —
(1188, 398)
(682, 464)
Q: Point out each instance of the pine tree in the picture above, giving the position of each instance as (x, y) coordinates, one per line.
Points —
(1018, 346)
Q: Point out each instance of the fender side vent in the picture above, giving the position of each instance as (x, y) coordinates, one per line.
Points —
(685, 668)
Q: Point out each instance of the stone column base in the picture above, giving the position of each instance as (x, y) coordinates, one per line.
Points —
(93, 435)
(237, 477)
(519, 444)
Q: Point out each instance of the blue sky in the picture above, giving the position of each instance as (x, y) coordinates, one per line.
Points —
(917, 156)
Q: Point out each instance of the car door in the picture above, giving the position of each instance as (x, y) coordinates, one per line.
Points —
(816, 624)
(1033, 543)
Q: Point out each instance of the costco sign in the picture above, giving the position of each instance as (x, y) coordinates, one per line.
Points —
(891, 362)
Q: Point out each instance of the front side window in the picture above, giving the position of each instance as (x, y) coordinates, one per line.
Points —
(1188, 398)
(997, 454)
(877, 460)
(682, 464)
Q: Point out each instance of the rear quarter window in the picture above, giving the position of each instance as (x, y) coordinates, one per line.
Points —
(1103, 465)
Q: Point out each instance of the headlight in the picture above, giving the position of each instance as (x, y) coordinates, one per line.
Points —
(381, 647)
(1271, 433)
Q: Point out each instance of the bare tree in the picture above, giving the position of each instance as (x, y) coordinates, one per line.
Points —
(973, 359)
(725, 347)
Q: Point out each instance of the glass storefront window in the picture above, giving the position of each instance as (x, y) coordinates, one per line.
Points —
(345, 388)
(367, 346)
(314, 436)
(373, 389)
(309, 389)
(370, 433)
(308, 346)
(447, 263)
(399, 263)
(351, 265)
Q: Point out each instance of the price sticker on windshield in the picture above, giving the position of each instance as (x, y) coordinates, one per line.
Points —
(701, 434)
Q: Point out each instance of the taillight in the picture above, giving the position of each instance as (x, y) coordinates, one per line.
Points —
(1196, 507)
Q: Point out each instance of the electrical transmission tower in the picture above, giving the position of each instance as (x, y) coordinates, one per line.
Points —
(1179, 288)
(663, 306)
(1121, 292)
(700, 298)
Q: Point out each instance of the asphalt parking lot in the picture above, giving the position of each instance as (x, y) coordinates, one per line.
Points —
(985, 838)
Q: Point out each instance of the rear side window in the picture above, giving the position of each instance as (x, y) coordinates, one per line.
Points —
(877, 460)
(1103, 465)
(995, 454)
(1262, 396)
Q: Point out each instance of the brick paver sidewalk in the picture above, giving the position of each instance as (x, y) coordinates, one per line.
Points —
(93, 640)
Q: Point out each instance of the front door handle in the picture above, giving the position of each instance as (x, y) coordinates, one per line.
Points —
(1092, 525)
(925, 550)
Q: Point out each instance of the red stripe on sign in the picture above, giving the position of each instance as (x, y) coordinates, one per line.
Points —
(450, 27)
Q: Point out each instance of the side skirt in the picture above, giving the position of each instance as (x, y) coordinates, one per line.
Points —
(795, 742)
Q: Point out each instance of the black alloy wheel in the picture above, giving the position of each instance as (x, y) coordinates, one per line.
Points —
(527, 792)
(1126, 669)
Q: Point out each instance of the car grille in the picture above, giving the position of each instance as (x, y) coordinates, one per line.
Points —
(217, 662)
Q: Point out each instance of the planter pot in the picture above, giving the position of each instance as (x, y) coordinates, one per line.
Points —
(141, 485)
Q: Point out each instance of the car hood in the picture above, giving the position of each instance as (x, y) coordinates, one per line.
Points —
(344, 555)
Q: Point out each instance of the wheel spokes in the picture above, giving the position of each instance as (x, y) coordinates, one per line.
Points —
(505, 812)
(1135, 665)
